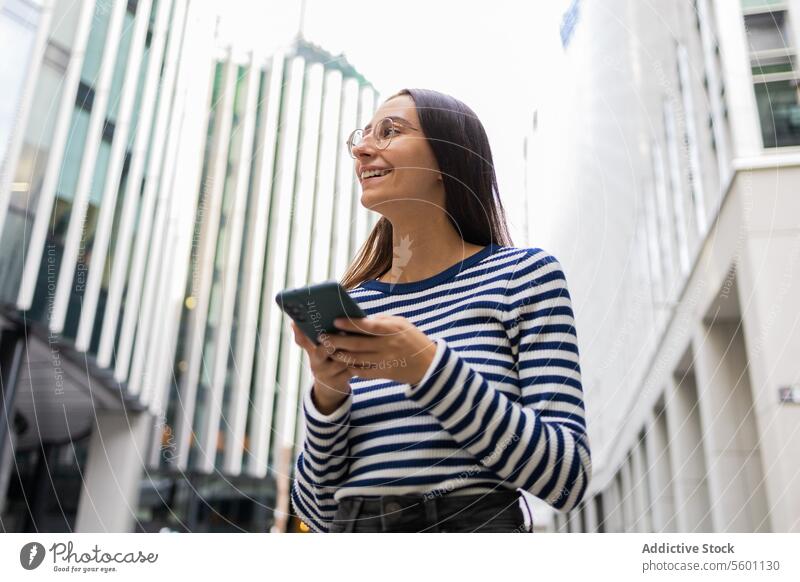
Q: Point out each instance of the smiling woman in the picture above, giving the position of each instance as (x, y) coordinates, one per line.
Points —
(462, 398)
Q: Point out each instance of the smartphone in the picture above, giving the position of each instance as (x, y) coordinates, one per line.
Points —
(314, 308)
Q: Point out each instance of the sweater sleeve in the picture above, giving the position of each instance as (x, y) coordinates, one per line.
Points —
(323, 463)
(538, 442)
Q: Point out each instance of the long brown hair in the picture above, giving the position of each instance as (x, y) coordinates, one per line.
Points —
(472, 200)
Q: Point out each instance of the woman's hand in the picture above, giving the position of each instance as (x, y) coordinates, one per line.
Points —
(331, 378)
(395, 348)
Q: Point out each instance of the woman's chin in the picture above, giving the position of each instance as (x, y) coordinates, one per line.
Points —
(373, 198)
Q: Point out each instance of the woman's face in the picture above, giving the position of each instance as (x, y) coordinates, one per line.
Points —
(414, 173)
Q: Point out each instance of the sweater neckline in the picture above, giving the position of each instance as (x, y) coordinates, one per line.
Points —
(449, 273)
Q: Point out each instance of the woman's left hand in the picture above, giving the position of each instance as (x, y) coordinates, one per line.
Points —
(395, 348)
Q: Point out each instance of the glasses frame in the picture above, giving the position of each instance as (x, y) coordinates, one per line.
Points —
(352, 136)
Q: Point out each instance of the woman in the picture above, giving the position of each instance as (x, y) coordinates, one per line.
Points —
(464, 399)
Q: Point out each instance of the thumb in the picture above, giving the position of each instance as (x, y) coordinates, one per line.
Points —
(300, 338)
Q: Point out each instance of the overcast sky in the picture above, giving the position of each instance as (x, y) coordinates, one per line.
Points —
(494, 56)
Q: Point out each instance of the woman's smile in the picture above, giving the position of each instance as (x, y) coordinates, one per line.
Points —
(371, 179)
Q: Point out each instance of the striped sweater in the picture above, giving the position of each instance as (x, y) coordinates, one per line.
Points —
(500, 407)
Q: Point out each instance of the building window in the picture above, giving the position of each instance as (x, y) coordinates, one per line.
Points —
(767, 31)
(651, 234)
(691, 141)
(676, 186)
(779, 112)
(761, 4)
(664, 228)
(775, 74)
(719, 131)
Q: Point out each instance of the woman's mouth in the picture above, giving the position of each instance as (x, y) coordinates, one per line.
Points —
(375, 176)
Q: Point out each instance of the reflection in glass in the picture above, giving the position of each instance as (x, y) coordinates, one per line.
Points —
(779, 112)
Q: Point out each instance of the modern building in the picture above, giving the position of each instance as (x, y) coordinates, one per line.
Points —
(279, 207)
(664, 168)
(92, 214)
(157, 191)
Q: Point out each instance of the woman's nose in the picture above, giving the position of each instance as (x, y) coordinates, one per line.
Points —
(363, 151)
(367, 146)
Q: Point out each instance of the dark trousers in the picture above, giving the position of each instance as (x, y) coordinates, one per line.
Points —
(485, 512)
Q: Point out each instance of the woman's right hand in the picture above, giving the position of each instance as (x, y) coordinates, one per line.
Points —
(331, 376)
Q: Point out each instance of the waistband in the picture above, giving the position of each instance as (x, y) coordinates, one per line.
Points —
(389, 503)
(427, 512)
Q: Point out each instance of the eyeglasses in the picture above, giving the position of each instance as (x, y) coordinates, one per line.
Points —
(382, 132)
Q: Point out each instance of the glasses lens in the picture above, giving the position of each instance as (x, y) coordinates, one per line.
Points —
(356, 139)
(383, 133)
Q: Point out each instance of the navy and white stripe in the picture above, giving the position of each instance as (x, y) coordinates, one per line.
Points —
(500, 407)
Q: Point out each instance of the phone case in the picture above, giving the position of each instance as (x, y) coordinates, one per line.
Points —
(314, 307)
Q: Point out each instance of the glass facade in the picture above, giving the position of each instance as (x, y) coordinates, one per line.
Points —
(18, 24)
(101, 178)
(28, 176)
(275, 183)
(217, 345)
(96, 89)
(143, 140)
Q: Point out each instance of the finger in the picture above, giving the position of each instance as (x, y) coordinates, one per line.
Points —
(368, 373)
(296, 338)
(316, 352)
(343, 359)
(316, 355)
(352, 360)
(368, 325)
(354, 343)
(334, 372)
(324, 356)
(301, 338)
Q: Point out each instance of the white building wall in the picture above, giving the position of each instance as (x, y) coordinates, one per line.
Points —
(654, 201)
